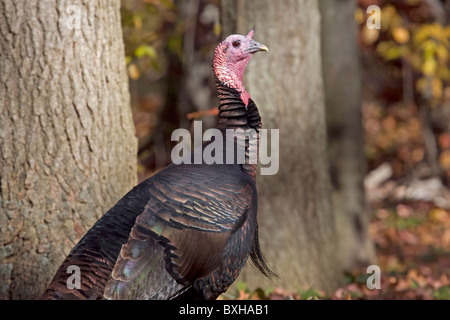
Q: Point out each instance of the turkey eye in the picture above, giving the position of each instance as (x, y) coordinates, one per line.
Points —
(236, 44)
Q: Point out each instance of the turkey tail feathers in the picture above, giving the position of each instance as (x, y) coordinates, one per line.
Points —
(258, 260)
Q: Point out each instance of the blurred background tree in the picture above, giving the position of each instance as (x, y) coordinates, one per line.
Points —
(341, 64)
(297, 226)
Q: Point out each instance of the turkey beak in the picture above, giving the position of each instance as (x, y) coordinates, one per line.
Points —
(256, 46)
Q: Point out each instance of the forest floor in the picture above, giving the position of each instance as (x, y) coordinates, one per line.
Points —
(413, 248)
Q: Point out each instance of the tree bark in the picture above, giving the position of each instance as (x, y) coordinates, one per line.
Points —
(343, 99)
(67, 143)
(294, 207)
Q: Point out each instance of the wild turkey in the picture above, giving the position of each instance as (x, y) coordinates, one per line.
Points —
(187, 231)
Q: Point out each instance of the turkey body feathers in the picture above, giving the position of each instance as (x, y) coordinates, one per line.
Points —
(179, 229)
(193, 219)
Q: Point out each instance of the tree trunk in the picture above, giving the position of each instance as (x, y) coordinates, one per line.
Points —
(342, 83)
(67, 144)
(294, 206)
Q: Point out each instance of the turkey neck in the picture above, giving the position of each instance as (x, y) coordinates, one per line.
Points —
(234, 114)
